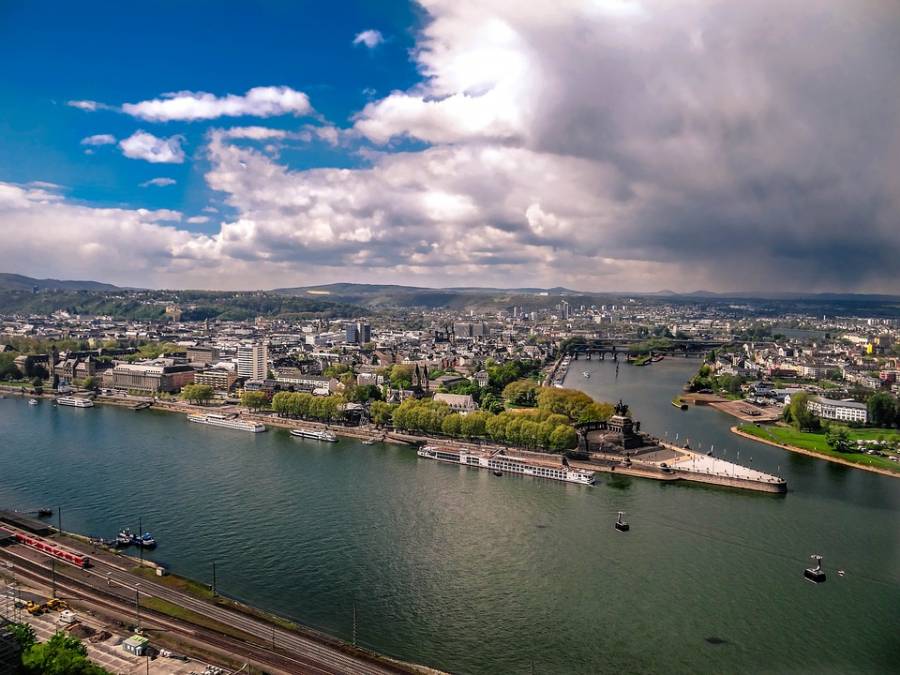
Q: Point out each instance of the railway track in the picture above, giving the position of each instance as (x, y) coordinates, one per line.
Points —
(294, 653)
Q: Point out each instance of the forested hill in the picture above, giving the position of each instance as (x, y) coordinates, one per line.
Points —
(148, 305)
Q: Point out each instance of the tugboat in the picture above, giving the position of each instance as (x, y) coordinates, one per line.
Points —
(621, 525)
(815, 574)
(125, 538)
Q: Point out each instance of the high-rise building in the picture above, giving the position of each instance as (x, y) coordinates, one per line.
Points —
(253, 361)
(365, 333)
(358, 333)
(352, 333)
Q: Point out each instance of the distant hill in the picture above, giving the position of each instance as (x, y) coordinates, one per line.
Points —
(386, 296)
(383, 296)
(18, 282)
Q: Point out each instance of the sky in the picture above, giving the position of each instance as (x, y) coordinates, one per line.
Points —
(601, 145)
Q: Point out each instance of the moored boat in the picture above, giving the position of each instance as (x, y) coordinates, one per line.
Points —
(500, 464)
(316, 435)
(227, 422)
(75, 402)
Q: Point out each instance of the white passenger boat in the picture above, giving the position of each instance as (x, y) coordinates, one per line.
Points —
(507, 464)
(75, 402)
(323, 435)
(227, 422)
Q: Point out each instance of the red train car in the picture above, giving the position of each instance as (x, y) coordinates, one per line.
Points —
(52, 550)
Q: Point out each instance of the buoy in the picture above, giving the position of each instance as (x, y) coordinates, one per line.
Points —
(815, 574)
(621, 525)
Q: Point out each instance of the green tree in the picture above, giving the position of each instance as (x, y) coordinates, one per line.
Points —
(381, 413)
(24, 634)
(254, 400)
(521, 392)
(61, 655)
(882, 409)
(802, 418)
(838, 438)
(491, 403)
(563, 437)
(196, 393)
(401, 376)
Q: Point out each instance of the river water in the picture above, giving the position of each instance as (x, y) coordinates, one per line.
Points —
(471, 573)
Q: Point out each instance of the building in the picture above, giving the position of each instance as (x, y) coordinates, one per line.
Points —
(842, 411)
(358, 333)
(253, 361)
(482, 378)
(461, 403)
(159, 375)
(69, 370)
(220, 379)
(136, 644)
(202, 354)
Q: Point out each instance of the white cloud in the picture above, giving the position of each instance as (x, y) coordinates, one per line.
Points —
(141, 145)
(370, 38)
(158, 182)
(190, 106)
(88, 106)
(99, 139)
(607, 145)
(198, 220)
(253, 133)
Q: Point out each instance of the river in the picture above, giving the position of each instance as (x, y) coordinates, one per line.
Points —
(464, 571)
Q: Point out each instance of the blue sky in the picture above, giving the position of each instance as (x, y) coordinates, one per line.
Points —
(607, 145)
(132, 51)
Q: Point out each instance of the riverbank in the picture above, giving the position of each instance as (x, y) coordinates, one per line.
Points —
(819, 455)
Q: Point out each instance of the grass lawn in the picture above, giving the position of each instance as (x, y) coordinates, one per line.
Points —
(815, 442)
(189, 615)
(202, 591)
(182, 584)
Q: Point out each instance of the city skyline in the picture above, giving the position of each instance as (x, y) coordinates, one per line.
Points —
(608, 146)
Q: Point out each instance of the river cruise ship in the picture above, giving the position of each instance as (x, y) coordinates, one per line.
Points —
(323, 435)
(227, 422)
(75, 402)
(505, 464)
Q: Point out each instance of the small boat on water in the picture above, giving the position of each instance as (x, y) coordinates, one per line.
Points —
(678, 403)
(586, 374)
(44, 513)
(499, 474)
(370, 441)
(125, 537)
(33, 401)
(146, 540)
(323, 435)
(621, 525)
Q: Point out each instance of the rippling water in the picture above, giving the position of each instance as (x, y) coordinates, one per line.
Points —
(471, 573)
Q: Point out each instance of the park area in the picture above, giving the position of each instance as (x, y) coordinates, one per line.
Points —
(816, 442)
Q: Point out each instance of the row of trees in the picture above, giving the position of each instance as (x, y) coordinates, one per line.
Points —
(536, 428)
(197, 393)
(307, 406)
(575, 405)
